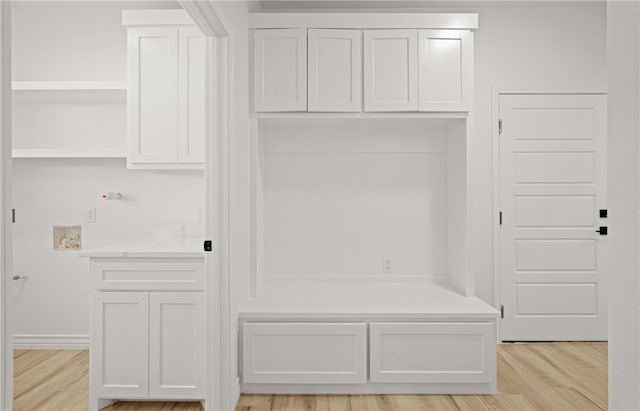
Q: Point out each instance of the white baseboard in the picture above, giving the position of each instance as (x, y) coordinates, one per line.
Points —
(50, 342)
(236, 393)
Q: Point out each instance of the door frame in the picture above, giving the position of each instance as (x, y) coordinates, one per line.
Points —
(6, 343)
(220, 391)
(496, 92)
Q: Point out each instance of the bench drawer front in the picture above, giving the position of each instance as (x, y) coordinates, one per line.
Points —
(305, 353)
(150, 275)
(433, 352)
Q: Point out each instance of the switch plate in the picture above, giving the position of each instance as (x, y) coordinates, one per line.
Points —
(387, 268)
(91, 215)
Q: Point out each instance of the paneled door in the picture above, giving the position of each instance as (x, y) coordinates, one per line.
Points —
(553, 205)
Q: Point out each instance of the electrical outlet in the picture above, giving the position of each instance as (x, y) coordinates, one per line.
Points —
(91, 215)
(386, 266)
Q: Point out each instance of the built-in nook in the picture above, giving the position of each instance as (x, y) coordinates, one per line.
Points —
(361, 229)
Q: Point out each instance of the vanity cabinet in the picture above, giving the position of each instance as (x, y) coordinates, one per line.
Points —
(166, 95)
(148, 329)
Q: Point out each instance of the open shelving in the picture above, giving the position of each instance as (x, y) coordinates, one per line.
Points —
(69, 119)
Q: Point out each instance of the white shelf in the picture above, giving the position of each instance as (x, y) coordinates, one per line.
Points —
(66, 153)
(68, 85)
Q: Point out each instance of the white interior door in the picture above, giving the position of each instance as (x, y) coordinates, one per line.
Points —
(552, 188)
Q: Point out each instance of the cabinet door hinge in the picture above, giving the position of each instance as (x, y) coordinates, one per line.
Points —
(500, 217)
(502, 311)
(500, 126)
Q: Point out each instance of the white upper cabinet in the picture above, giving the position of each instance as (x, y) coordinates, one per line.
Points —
(153, 96)
(355, 62)
(166, 97)
(280, 70)
(445, 70)
(335, 70)
(390, 70)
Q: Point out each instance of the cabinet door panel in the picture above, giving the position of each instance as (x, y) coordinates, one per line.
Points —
(335, 70)
(280, 70)
(119, 343)
(305, 353)
(177, 345)
(390, 70)
(191, 117)
(153, 95)
(432, 352)
(446, 70)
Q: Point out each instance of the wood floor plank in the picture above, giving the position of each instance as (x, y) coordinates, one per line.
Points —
(540, 376)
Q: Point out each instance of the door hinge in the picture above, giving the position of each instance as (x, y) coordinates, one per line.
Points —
(502, 311)
(13, 215)
(500, 126)
(500, 217)
(208, 245)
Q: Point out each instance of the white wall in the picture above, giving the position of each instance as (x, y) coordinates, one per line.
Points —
(78, 41)
(623, 48)
(54, 299)
(341, 199)
(524, 48)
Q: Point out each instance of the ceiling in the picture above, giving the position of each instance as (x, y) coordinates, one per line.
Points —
(408, 5)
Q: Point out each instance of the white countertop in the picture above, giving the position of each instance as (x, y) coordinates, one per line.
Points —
(182, 248)
(347, 301)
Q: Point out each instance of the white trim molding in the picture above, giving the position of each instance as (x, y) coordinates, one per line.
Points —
(50, 342)
(453, 21)
(220, 381)
(6, 349)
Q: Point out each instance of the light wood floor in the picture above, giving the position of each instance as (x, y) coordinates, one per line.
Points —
(542, 376)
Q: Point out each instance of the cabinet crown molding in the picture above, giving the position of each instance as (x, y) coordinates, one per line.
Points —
(454, 21)
(169, 17)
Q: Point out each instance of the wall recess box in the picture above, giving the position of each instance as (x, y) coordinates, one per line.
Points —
(67, 237)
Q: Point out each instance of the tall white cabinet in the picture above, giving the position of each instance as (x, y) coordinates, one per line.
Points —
(166, 93)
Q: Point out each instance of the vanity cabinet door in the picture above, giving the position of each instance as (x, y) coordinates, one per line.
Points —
(120, 337)
(177, 345)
